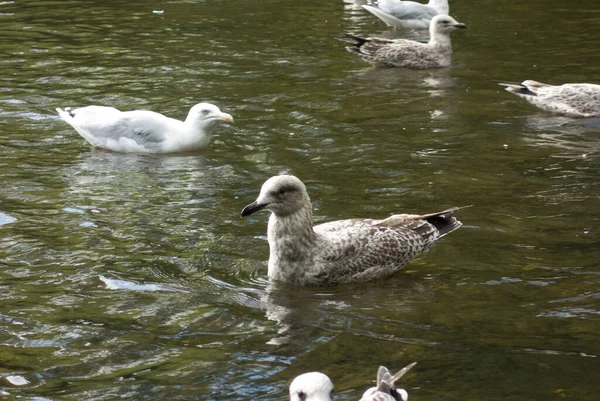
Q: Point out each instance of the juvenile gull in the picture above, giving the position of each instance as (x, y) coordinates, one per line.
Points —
(406, 53)
(575, 100)
(143, 131)
(312, 386)
(343, 251)
(386, 386)
(407, 14)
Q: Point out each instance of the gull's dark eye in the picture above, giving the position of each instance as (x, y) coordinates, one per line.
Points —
(205, 111)
(286, 188)
(302, 395)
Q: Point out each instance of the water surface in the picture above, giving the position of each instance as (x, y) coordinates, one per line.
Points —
(506, 308)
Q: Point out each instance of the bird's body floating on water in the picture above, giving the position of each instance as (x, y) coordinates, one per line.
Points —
(317, 386)
(404, 53)
(343, 251)
(574, 100)
(143, 131)
(407, 14)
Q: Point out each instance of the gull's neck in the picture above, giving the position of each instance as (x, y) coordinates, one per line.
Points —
(440, 40)
(195, 132)
(291, 242)
(195, 125)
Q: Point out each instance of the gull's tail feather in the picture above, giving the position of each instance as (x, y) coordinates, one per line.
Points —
(66, 114)
(388, 19)
(365, 47)
(354, 40)
(517, 88)
(444, 221)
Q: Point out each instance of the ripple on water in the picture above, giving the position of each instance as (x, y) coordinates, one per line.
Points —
(6, 219)
(511, 295)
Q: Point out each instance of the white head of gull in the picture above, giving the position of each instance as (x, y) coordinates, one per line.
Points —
(312, 386)
(143, 131)
(407, 14)
(386, 390)
(404, 53)
(574, 100)
(343, 251)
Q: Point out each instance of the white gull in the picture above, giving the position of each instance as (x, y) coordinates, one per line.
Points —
(343, 251)
(143, 131)
(312, 386)
(407, 14)
(404, 53)
(575, 100)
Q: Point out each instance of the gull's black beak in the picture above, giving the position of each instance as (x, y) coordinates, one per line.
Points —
(461, 26)
(252, 208)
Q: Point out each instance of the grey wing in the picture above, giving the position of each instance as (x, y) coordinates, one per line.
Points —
(382, 374)
(144, 127)
(360, 248)
(383, 51)
(405, 53)
(407, 10)
(584, 98)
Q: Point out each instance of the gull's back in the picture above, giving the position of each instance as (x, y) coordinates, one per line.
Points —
(358, 250)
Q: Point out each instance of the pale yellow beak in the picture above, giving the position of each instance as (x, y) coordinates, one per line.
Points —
(226, 117)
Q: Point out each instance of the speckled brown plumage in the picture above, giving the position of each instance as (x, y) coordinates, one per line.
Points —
(403, 53)
(575, 100)
(343, 251)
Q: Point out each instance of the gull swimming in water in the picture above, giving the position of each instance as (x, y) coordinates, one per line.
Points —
(143, 131)
(386, 386)
(406, 53)
(317, 386)
(312, 386)
(407, 14)
(575, 100)
(343, 251)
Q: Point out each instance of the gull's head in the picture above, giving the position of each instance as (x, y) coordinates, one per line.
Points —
(282, 195)
(445, 23)
(313, 386)
(208, 115)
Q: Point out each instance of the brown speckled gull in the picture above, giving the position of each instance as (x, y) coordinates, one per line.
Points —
(404, 53)
(343, 251)
(407, 14)
(575, 100)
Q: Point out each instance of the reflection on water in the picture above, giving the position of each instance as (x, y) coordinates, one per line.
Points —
(573, 138)
(331, 310)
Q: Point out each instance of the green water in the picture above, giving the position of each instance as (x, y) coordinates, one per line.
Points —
(506, 308)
